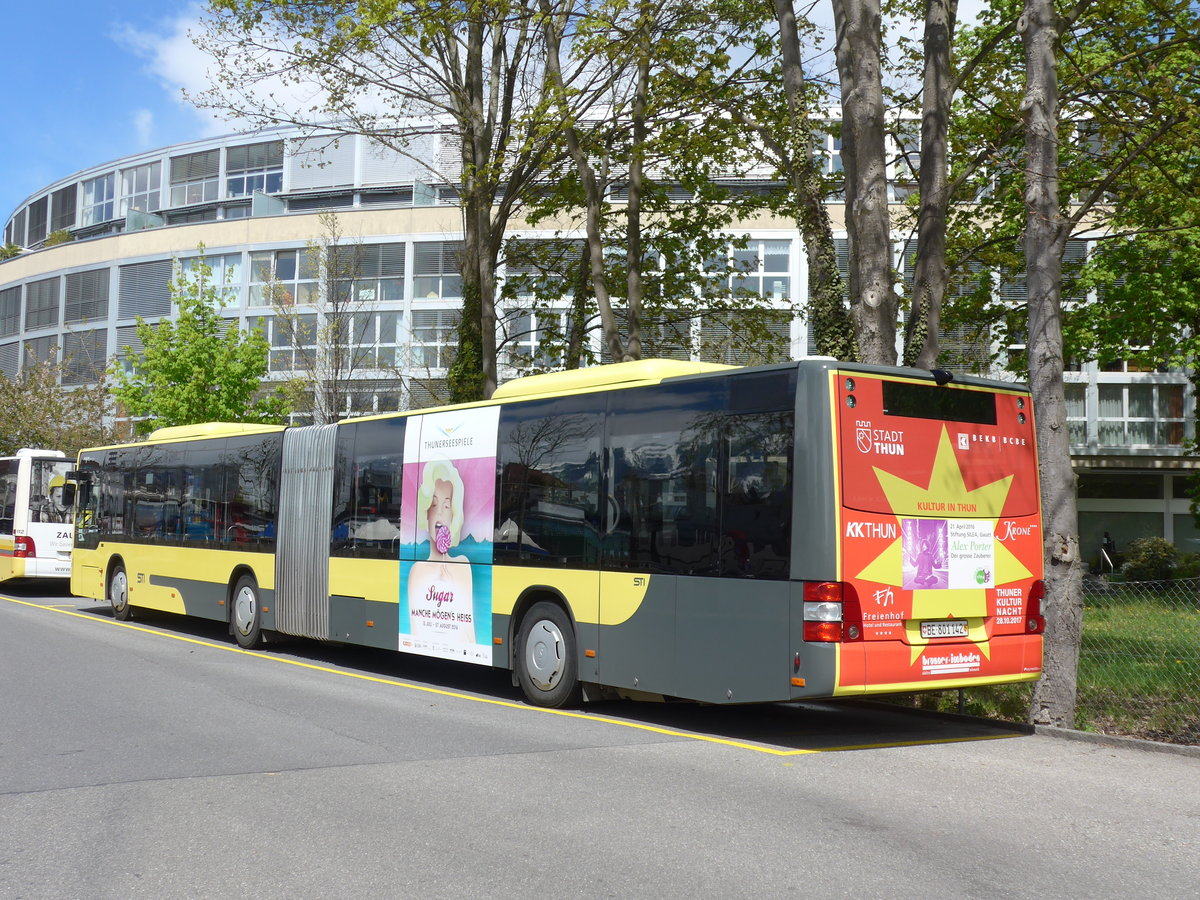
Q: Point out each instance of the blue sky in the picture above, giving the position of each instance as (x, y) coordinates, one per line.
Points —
(88, 81)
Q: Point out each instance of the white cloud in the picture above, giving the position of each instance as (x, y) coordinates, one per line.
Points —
(143, 127)
(177, 64)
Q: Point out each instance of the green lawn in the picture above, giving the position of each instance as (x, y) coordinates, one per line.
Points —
(1139, 668)
(1139, 664)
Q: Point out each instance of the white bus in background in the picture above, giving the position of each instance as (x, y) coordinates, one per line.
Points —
(36, 532)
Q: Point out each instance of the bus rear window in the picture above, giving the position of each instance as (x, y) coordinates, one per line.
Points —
(918, 449)
(944, 404)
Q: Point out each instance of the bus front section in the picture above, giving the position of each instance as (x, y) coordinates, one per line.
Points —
(939, 535)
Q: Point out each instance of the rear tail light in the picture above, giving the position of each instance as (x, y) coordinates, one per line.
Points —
(828, 616)
(23, 547)
(1035, 623)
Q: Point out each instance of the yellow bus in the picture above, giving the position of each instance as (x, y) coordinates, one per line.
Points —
(646, 529)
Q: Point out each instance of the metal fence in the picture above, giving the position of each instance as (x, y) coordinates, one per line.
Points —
(1139, 666)
(1139, 660)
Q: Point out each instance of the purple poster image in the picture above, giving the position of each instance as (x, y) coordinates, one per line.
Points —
(926, 552)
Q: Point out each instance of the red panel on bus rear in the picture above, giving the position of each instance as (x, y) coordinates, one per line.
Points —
(939, 524)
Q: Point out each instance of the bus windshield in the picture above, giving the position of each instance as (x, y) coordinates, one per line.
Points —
(46, 481)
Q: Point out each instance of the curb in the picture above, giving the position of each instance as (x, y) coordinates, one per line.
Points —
(1112, 740)
(1067, 734)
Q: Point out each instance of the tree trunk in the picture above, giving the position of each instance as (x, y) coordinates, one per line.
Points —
(929, 281)
(633, 208)
(1045, 239)
(593, 237)
(577, 326)
(466, 376)
(472, 376)
(873, 301)
(832, 330)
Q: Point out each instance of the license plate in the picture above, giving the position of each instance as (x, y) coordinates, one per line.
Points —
(949, 628)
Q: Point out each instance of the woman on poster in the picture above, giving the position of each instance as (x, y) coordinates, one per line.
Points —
(440, 600)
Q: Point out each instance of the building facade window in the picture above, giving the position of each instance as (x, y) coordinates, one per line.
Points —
(62, 208)
(98, 197)
(10, 357)
(18, 228)
(129, 348)
(433, 338)
(294, 341)
(10, 311)
(378, 272)
(41, 350)
(436, 270)
(529, 339)
(39, 218)
(41, 304)
(763, 268)
(906, 164)
(195, 178)
(375, 339)
(828, 147)
(287, 277)
(256, 167)
(141, 188)
(144, 289)
(86, 297)
(1140, 415)
(1076, 396)
(84, 356)
(225, 274)
(723, 340)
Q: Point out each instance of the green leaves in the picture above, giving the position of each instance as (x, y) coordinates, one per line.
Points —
(39, 412)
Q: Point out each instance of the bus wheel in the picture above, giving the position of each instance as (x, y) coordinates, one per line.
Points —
(546, 661)
(247, 614)
(118, 593)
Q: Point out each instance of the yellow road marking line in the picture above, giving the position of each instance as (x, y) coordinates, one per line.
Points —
(508, 704)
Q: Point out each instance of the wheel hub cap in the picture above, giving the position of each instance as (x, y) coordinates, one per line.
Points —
(544, 655)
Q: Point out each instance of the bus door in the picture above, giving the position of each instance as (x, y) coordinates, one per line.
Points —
(940, 544)
(664, 610)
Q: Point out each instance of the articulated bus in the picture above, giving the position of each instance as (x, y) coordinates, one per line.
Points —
(651, 529)
(35, 515)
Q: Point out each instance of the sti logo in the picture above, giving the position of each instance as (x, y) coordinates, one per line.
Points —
(863, 438)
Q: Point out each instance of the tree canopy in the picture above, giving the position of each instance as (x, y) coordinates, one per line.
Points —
(40, 412)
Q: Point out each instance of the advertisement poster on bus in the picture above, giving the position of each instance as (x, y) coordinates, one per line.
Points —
(941, 539)
(446, 535)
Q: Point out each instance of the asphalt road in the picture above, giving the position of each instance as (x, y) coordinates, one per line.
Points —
(155, 759)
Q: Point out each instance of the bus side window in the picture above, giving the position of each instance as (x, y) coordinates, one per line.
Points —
(252, 471)
(368, 476)
(548, 462)
(664, 514)
(757, 506)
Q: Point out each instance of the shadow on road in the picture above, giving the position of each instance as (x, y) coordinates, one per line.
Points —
(776, 727)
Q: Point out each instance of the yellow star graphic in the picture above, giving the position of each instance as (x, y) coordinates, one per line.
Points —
(948, 495)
